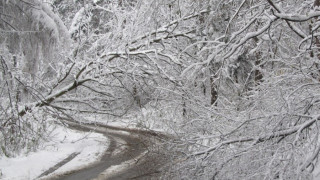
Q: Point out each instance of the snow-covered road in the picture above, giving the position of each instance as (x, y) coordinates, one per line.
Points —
(125, 157)
(89, 151)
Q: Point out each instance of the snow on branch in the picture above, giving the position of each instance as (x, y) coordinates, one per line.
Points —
(281, 133)
(250, 36)
(290, 24)
(51, 97)
(164, 29)
(63, 30)
(44, 15)
(296, 17)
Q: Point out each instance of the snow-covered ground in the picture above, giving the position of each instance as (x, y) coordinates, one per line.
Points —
(64, 142)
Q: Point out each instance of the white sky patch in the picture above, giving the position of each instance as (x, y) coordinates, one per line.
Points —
(65, 142)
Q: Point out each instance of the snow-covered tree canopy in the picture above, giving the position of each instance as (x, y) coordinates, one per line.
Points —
(237, 82)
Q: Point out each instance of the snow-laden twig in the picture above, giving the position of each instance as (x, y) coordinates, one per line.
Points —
(258, 140)
(296, 17)
(249, 36)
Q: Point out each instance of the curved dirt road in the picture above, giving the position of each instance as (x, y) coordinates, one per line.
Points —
(126, 146)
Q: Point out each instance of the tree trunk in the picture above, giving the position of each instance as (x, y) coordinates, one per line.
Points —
(317, 43)
(214, 93)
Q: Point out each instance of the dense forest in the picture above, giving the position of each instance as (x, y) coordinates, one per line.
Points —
(235, 82)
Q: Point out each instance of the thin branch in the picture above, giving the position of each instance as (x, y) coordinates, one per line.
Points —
(266, 137)
(291, 26)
